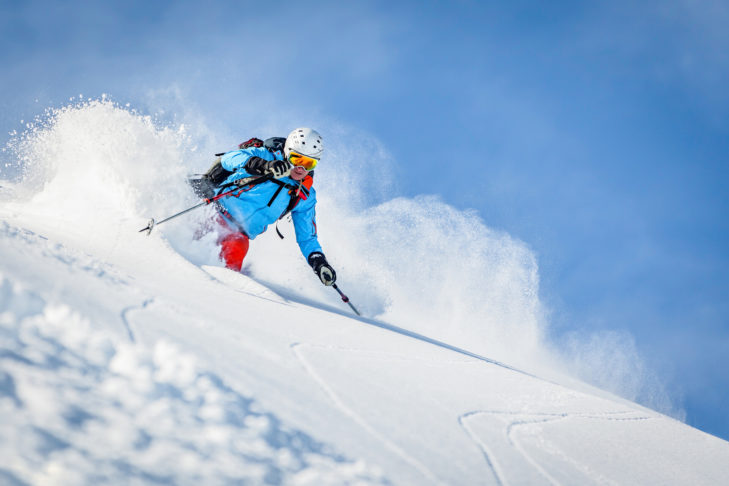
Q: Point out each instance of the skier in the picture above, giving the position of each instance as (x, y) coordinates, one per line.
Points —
(275, 179)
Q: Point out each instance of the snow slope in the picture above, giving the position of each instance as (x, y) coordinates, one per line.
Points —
(127, 359)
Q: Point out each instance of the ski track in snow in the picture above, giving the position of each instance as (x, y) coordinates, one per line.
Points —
(125, 320)
(295, 349)
(487, 454)
(520, 423)
(537, 418)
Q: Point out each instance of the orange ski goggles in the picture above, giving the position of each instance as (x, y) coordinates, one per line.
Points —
(301, 160)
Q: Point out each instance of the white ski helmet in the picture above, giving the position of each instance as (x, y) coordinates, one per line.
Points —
(305, 141)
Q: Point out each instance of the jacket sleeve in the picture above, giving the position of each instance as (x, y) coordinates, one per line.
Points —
(237, 159)
(304, 218)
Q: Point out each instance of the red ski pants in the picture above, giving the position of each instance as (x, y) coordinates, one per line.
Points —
(233, 249)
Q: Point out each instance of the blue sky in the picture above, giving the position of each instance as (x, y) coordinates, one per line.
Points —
(596, 132)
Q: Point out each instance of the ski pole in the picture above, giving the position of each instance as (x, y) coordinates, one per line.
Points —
(240, 183)
(152, 223)
(346, 299)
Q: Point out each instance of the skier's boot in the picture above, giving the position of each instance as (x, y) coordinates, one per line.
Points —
(205, 185)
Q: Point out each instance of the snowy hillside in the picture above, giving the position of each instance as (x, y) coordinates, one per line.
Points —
(127, 359)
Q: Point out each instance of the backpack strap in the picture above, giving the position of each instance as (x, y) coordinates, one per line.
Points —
(281, 185)
(297, 193)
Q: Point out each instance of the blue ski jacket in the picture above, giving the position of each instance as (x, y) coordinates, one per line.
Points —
(249, 210)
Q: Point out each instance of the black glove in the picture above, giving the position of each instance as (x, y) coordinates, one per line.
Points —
(322, 269)
(277, 168)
